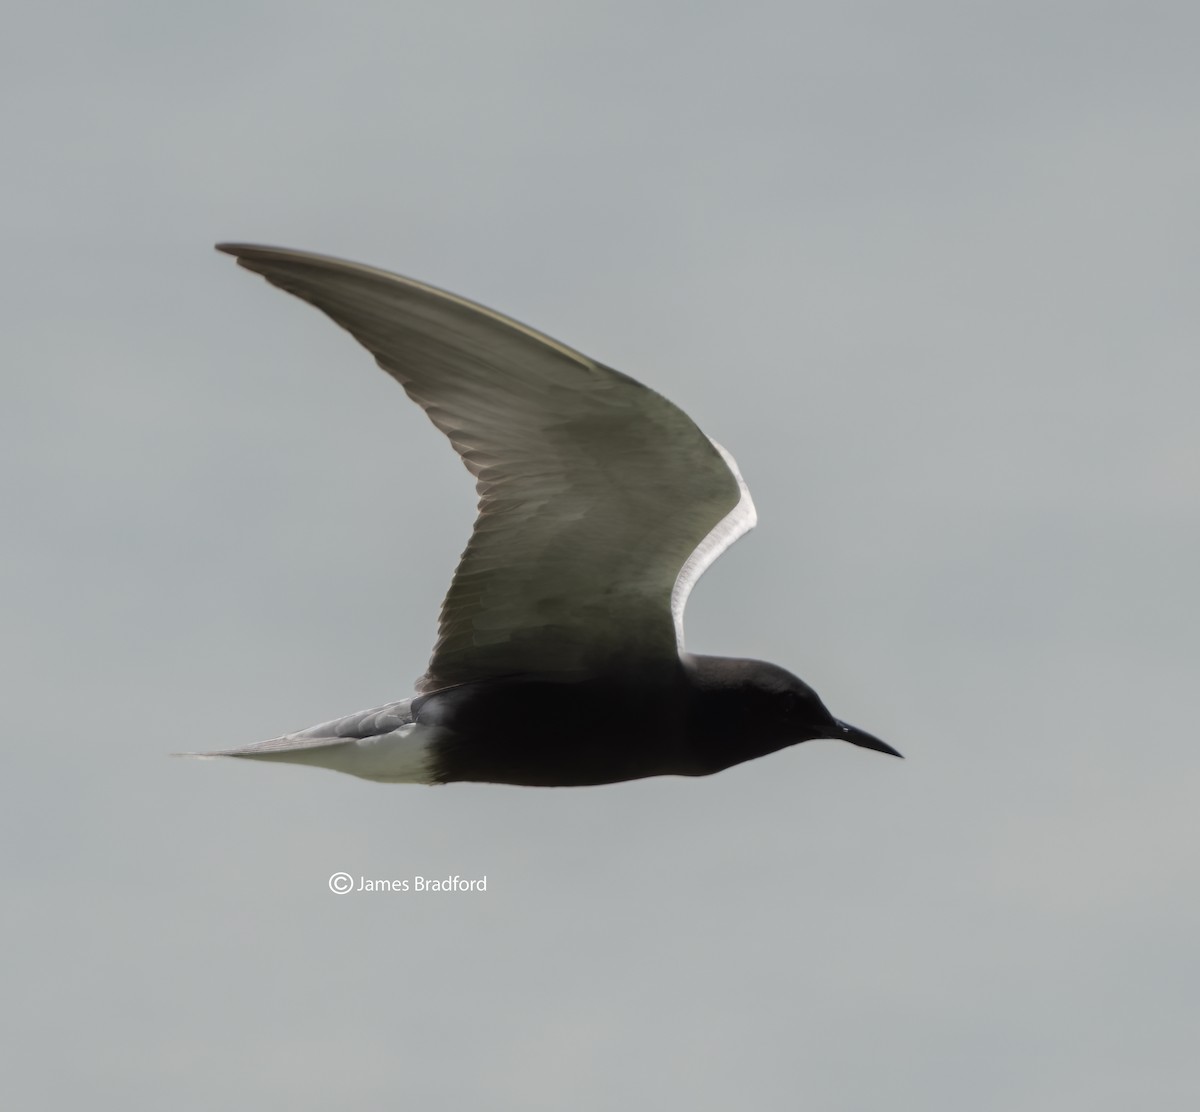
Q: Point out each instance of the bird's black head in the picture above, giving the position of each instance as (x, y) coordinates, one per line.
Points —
(743, 709)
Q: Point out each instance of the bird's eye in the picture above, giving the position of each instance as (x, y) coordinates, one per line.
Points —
(790, 702)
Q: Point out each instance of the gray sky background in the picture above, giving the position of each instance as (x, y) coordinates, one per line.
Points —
(928, 269)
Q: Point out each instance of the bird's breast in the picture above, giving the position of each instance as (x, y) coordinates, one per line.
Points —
(555, 734)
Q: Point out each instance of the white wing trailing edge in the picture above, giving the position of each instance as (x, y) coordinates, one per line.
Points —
(734, 525)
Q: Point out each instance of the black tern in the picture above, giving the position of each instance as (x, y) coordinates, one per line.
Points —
(559, 659)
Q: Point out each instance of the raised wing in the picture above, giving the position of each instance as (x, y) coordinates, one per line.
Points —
(600, 502)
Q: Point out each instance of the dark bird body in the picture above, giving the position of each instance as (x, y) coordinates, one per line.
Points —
(700, 717)
(560, 658)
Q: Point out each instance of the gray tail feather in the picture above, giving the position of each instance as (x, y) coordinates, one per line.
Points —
(276, 746)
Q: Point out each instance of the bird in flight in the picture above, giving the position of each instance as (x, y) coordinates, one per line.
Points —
(560, 658)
